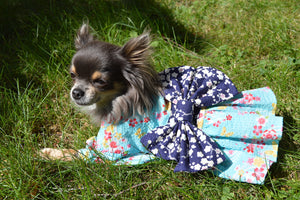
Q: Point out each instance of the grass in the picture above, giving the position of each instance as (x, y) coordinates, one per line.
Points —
(256, 43)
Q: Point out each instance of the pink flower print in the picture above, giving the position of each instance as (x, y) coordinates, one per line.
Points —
(113, 144)
(94, 145)
(250, 148)
(165, 112)
(258, 173)
(128, 145)
(158, 116)
(248, 98)
(228, 117)
(200, 115)
(257, 130)
(118, 151)
(146, 119)
(270, 135)
(107, 135)
(261, 121)
(260, 144)
(133, 122)
(250, 161)
(216, 124)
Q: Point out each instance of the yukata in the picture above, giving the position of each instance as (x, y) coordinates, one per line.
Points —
(201, 122)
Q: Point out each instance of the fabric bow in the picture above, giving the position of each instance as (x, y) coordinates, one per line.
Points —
(189, 89)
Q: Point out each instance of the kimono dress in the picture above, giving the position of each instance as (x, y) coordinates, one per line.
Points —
(202, 122)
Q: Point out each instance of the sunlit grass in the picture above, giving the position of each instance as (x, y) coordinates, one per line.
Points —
(255, 43)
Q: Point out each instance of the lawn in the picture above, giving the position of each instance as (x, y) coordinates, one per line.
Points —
(256, 43)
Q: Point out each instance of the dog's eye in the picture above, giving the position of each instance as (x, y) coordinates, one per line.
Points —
(73, 75)
(99, 82)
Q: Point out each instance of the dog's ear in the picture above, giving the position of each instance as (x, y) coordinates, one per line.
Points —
(136, 50)
(142, 77)
(83, 36)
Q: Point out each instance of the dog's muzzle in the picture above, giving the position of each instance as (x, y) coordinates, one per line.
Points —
(82, 93)
(77, 94)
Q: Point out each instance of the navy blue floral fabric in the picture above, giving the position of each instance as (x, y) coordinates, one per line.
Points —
(189, 89)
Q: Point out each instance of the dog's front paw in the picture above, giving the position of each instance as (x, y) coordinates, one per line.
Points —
(57, 154)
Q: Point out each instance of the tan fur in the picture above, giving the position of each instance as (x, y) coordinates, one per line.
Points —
(58, 154)
(96, 75)
(73, 69)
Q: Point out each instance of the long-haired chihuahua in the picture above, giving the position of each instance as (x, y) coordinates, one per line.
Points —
(113, 80)
(110, 82)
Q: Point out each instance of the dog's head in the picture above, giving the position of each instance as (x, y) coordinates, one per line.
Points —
(117, 80)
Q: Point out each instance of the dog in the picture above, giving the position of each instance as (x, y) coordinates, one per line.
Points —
(181, 110)
(110, 82)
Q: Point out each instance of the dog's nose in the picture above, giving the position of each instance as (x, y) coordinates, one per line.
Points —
(77, 94)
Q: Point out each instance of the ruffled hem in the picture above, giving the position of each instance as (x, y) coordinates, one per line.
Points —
(248, 132)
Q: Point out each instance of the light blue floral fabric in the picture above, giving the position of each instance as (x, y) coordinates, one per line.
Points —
(248, 131)
(120, 144)
(202, 122)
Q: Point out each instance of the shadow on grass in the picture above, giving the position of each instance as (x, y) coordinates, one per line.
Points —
(162, 20)
(31, 30)
(287, 145)
(20, 18)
